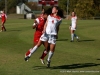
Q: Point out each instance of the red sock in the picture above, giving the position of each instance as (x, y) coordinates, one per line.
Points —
(44, 54)
(27, 53)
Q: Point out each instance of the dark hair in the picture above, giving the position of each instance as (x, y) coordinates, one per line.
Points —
(48, 11)
(60, 11)
(4, 10)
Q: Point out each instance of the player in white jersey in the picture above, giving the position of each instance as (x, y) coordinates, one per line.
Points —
(73, 27)
(50, 33)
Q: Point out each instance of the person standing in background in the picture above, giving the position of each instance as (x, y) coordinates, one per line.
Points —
(3, 20)
(73, 26)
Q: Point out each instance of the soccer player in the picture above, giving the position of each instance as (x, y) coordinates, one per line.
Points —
(50, 34)
(73, 26)
(3, 20)
(39, 26)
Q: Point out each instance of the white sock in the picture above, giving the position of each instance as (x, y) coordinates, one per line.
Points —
(50, 55)
(72, 37)
(34, 49)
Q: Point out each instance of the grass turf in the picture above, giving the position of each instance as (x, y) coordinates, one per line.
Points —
(78, 58)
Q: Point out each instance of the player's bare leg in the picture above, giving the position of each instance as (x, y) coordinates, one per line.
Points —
(3, 27)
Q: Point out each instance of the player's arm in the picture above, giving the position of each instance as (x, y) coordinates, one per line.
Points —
(45, 27)
(36, 22)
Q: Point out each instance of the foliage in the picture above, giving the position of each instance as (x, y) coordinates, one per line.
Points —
(11, 4)
(83, 8)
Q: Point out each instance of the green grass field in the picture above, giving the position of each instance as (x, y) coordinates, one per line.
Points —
(78, 58)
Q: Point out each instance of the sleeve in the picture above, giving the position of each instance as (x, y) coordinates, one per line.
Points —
(36, 22)
(48, 17)
(59, 22)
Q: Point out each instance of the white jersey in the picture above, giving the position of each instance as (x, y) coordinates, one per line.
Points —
(73, 21)
(52, 24)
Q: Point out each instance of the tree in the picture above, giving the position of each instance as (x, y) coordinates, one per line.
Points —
(11, 5)
(63, 4)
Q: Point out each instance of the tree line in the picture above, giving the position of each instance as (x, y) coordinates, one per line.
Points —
(83, 8)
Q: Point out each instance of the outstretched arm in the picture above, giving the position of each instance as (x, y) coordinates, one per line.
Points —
(36, 22)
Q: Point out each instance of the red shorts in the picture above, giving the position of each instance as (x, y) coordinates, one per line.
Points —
(37, 37)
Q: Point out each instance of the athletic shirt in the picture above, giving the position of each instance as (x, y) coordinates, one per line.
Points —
(3, 17)
(73, 21)
(40, 26)
(53, 22)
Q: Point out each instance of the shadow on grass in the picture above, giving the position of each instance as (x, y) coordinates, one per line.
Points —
(62, 39)
(86, 40)
(98, 59)
(75, 66)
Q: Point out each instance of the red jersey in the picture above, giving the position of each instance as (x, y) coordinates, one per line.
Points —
(40, 26)
(3, 17)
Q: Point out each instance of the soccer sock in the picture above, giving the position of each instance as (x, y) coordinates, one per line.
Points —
(33, 50)
(50, 55)
(72, 36)
(76, 36)
(44, 54)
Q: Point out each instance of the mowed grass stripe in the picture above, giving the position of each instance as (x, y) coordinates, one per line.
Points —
(76, 56)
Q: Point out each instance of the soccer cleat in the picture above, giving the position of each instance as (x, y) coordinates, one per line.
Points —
(71, 41)
(5, 30)
(42, 61)
(78, 40)
(26, 58)
(48, 64)
(27, 55)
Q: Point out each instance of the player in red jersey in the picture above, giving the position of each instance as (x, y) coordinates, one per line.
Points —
(3, 20)
(39, 26)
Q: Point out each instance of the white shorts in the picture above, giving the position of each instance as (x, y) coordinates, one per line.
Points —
(47, 37)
